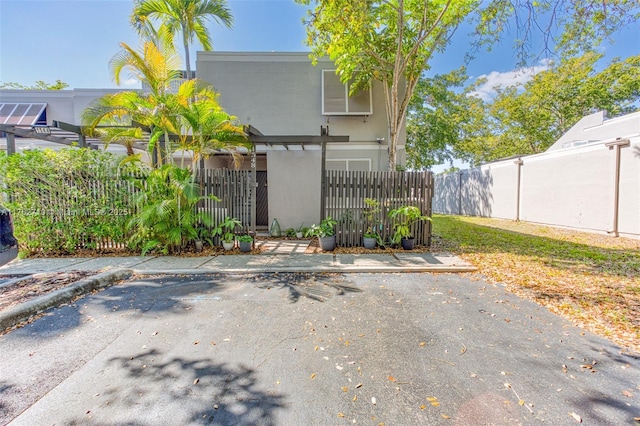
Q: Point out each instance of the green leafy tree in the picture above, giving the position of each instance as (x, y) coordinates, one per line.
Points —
(529, 119)
(39, 85)
(187, 17)
(441, 114)
(67, 200)
(389, 41)
(167, 217)
(393, 40)
(206, 128)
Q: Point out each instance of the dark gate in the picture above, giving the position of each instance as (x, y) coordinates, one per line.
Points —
(262, 200)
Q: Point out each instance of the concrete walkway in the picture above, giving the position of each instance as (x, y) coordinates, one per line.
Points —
(272, 259)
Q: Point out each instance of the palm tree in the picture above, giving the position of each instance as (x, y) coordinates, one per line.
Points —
(155, 66)
(189, 17)
(206, 127)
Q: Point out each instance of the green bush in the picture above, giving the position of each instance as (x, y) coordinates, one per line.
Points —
(167, 218)
(66, 200)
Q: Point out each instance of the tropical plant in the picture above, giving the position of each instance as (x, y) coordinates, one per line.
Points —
(188, 17)
(205, 127)
(370, 213)
(245, 238)
(325, 229)
(65, 200)
(226, 228)
(155, 65)
(404, 218)
(167, 217)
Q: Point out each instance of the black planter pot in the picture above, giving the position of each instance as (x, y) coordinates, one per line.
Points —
(327, 243)
(369, 243)
(408, 243)
(245, 247)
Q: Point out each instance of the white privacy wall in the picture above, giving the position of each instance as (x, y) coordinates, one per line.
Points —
(573, 187)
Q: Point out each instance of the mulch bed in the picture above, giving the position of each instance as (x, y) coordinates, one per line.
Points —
(38, 285)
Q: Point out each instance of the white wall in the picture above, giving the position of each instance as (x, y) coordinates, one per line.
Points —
(294, 187)
(573, 187)
(62, 105)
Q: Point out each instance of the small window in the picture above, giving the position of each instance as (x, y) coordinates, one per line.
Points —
(336, 99)
(350, 165)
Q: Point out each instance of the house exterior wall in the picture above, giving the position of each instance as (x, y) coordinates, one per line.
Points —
(294, 196)
(62, 105)
(281, 94)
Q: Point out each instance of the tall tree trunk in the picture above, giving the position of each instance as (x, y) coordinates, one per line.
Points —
(187, 59)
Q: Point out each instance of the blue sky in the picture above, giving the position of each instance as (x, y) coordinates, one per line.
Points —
(73, 40)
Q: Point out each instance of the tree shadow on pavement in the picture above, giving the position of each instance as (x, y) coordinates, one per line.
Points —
(5, 392)
(315, 286)
(168, 294)
(196, 390)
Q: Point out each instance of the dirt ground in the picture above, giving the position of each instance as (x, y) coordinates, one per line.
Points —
(37, 285)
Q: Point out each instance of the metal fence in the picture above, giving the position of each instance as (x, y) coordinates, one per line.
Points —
(345, 194)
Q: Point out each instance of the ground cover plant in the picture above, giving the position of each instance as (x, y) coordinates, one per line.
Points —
(591, 279)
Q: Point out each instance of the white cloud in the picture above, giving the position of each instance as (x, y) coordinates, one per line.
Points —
(495, 79)
(130, 82)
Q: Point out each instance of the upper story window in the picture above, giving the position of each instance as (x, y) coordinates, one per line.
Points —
(336, 99)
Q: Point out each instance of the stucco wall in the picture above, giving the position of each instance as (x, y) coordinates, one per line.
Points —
(294, 187)
(62, 105)
(572, 188)
(280, 94)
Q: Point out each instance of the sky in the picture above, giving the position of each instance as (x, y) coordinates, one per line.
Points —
(73, 40)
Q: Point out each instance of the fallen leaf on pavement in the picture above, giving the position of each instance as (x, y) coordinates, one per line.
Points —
(576, 417)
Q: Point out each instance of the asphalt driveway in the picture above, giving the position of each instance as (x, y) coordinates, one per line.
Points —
(324, 349)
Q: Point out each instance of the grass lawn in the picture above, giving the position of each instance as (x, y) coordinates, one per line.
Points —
(590, 279)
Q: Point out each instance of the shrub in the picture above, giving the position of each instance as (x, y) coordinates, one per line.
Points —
(66, 200)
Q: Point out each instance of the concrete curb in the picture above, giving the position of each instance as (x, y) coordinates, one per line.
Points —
(21, 312)
(311, 270)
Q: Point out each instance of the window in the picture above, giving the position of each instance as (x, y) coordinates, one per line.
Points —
(350, 165)
(336, 99)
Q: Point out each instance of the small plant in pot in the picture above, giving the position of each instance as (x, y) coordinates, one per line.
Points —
(245, 242)
(325, 232)
(370, 237)
(301, 230)
(225, 230)
(204, 236)
(404, 218)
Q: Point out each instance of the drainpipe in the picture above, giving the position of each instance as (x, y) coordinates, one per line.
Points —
(617, 144)
(518, 163)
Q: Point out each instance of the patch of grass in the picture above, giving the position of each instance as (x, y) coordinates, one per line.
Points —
(591, 279)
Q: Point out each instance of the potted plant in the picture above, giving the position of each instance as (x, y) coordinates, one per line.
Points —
(404, 218)
(300, 231)
(203, 236)
(371, 210)
(225, 231)
(325, 233)
(245, 242)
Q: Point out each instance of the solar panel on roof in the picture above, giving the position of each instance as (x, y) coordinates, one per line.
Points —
(21, 114)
